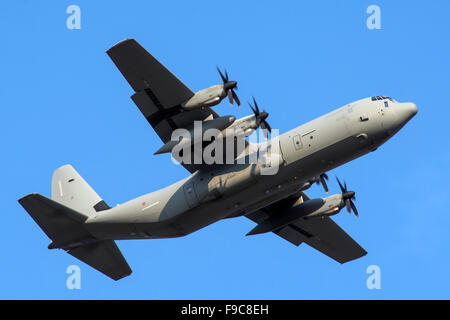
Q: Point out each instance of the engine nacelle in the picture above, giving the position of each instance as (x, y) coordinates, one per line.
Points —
(193, 137)
(206, 98)
(308, 209)
(331, 206)
(242, 127)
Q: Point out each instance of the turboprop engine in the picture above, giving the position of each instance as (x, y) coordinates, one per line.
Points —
(309, 209)
(215, 94)
(191, 136)
(247, 125)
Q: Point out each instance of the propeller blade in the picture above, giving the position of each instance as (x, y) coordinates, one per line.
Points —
(230, 96)
(354, 208)
(266, 124)
(226, 75)
(221, 75)
(235, 97)
(258, 122)
(347, 197)
(324, 184)
(263, 127)
(260, 118)
(256, 105)
(348, 205)
(340, 185)
(254, 111)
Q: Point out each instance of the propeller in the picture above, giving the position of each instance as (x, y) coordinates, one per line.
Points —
(322, 180)
(261, 118)
(229, 87)
(348, 196)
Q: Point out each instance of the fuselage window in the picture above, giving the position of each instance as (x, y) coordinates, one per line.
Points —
(386, 104)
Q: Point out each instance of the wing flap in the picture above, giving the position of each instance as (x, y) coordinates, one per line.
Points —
(145, 104)
(290, 234)
(328, 238)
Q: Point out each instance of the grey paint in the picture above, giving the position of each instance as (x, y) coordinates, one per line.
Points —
(230, 189)
(216, 192)
(207, 196)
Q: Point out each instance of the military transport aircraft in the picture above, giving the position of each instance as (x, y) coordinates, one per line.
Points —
(80, 222)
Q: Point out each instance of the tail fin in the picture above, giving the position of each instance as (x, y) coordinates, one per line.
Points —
(62, 219)
(70, 189)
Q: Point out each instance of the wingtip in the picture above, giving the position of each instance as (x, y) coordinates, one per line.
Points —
(121, 43)
(30, 195)
(122, 275)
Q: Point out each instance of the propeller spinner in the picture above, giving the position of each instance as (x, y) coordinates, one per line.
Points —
(347, 197)
(229, 87)
(261, 117)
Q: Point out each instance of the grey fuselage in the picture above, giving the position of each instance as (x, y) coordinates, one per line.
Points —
(233, 190)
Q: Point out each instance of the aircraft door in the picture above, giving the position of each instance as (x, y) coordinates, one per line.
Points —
(190, 194)
(297, 142)
(291, 146)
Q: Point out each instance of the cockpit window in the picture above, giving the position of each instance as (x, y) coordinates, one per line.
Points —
(382, 98)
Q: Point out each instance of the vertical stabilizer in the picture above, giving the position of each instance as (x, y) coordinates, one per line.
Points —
(71, 190)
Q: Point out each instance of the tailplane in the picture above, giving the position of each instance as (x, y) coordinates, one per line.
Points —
(62, 219)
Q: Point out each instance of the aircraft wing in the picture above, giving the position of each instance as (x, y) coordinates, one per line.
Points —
(321, 233)
(158, 93)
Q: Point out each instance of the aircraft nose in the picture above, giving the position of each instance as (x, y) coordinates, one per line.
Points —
(412, 108)
(406, 111)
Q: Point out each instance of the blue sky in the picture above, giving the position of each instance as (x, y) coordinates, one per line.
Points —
(63, 101)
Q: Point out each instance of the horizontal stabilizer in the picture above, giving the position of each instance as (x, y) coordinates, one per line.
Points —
(105, 257)
(65, 227)
(61, 224)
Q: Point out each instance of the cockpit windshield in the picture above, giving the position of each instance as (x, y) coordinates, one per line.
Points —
(382, 98)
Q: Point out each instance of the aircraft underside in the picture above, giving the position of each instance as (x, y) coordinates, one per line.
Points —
(269, 191)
